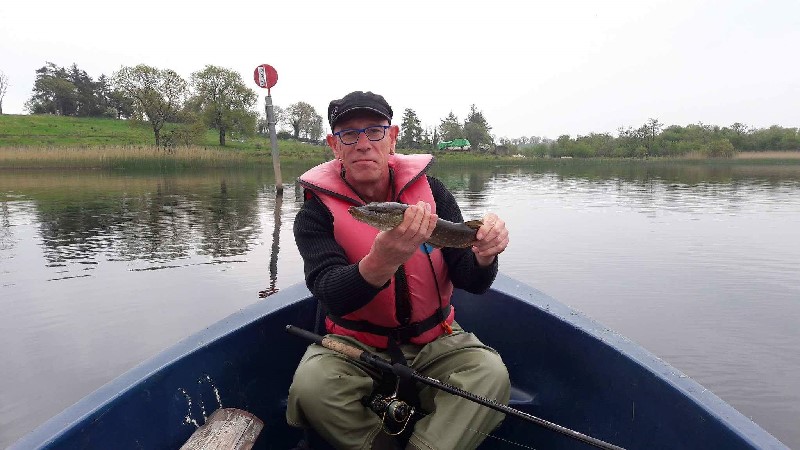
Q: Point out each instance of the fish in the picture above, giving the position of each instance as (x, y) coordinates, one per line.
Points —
(387, 215)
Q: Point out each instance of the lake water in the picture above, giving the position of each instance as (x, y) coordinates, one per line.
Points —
(698, 263)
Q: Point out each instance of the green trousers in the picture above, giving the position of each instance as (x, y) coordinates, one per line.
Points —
(327, 389)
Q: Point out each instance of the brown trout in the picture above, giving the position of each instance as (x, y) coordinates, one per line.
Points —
(387, 215)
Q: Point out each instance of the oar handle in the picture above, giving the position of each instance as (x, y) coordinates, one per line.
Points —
(406, 372)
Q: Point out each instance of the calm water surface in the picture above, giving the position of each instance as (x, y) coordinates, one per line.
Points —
(699, 264)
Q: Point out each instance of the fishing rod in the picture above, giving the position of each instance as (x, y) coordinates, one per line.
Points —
(408, 373)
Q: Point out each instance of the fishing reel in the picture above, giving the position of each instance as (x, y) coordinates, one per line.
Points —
(391, 407)
(394, 413)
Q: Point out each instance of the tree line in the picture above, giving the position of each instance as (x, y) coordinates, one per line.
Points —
(216, 97)
(475, 129)
(213, 97)
(653, 139)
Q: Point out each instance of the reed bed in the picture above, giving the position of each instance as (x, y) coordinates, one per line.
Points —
(795, 155)
(124, 157)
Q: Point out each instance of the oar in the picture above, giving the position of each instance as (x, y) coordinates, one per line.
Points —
(407, 373)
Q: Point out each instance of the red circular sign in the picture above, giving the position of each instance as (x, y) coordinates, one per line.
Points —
(265, 76)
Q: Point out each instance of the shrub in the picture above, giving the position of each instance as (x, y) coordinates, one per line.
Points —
(721, 148)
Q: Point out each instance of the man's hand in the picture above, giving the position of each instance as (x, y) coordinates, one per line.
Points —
(394, 247)
(491, 240)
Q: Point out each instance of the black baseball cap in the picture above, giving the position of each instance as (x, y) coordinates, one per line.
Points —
(358, 101)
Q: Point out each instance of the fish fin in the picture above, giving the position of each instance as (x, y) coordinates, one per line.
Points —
(474, 224)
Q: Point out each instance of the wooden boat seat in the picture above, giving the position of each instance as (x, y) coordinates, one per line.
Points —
(226, 429)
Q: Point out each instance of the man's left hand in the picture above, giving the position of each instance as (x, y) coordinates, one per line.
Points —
(491, 239)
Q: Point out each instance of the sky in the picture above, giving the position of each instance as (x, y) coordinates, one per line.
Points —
(532, 68)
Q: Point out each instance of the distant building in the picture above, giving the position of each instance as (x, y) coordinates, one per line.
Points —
(455, 144)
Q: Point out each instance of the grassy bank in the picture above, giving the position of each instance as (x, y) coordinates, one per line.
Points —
(45, 141)
(148, 157)
(37, 131)
(58, 131)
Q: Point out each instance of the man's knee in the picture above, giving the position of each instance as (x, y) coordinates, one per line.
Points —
(488, 375)
(328, 380)
(493, 364)
(309, 379)
(497, 370)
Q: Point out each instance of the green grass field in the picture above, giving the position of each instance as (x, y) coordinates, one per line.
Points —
(46, 141)
(57, 131)
(60, 131)
(31, 141)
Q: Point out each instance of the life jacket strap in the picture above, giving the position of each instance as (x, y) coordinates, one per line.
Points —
(401, 334)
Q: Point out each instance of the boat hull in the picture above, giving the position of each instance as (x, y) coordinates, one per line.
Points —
(564, 367)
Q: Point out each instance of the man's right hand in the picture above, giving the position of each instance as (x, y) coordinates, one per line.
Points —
(394, 247)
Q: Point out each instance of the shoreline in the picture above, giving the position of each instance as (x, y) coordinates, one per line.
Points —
(150, 157)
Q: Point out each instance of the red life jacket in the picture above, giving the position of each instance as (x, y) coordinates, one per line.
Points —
(431, 315)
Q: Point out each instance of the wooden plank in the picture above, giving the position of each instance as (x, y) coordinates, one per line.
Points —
(226, 429)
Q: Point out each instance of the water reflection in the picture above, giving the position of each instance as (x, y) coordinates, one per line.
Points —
(469, 185)
(160, 220)
(6, 236)
(276, 246)
(165, 219)
(7, 242)
(228, 221)
(647, 187)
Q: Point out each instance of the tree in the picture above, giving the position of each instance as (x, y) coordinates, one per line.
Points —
(651, 130)
(315, 128)
(262, 125)
(411, 135)
(53, 92)
(303, 119)
(476, 129)
(740, 128)
(224, 102)
(3, 88)
(72, 92)
(506, 147)
(67, 92)
(721, 148)
(88, 99)
(103, 90)
(157, 95)
(119, 105)
(428, 138)
(450, 128)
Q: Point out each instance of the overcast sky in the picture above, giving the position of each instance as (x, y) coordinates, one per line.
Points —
(566, 67)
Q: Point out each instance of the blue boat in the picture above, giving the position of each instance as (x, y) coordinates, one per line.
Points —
(564, 367)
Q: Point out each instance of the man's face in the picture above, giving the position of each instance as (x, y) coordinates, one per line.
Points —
(365, 161)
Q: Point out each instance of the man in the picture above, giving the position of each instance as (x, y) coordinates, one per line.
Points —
(387, 293)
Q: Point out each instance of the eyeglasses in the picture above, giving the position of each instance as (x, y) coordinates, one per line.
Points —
(373, 133)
